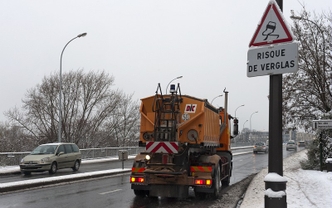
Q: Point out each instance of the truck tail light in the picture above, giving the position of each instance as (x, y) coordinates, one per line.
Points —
(137, 179)
(203, 182)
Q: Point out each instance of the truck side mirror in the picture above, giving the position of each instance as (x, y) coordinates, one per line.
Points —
(236, 127)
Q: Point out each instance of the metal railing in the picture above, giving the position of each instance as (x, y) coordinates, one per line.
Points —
(14, 158)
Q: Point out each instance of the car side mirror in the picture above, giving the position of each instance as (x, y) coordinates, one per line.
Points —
(60, 153)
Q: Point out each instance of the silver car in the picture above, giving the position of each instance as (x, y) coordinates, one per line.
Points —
(291, 145)
(260, 147)
(51, 157)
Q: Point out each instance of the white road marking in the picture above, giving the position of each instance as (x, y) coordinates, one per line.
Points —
(109, 192)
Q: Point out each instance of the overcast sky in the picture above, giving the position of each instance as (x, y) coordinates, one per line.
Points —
(141, 43)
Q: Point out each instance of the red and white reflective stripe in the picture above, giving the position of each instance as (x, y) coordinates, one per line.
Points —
(137, 170)
(162, 147)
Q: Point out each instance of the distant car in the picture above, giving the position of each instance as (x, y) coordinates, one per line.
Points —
(51, 157)
(291, 145)
(301, 144)
(260, 147)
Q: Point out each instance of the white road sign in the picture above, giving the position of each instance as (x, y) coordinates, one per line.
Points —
(275, 59)
(322, 124)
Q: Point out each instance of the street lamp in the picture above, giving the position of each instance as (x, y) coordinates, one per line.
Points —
(236, 110)
(244, 123)
(179, 77)
(215, 98)
(60, 85)
(251, 116)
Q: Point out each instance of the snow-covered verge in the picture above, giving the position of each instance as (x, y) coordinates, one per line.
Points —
(304, 188)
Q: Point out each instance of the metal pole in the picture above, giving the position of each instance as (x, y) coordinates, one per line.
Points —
(275, 139)
(321, 151)
(250, 118)
(243, 124)
(179, 77)
(60, 86)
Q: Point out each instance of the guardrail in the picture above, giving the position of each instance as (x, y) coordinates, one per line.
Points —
(14, 158)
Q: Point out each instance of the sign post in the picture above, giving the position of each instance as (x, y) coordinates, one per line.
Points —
(273, 52)
(321, 124)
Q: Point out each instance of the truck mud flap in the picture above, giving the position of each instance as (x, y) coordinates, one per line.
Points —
(169, 191)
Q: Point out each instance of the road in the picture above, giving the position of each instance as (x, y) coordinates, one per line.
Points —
(114, 191)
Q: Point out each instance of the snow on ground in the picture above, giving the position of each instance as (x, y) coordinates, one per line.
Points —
(304, 188)
(61, 178)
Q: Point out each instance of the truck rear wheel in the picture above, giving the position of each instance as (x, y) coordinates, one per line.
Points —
(227, 180)
(217, 182)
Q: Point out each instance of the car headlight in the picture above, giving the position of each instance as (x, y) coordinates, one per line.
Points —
(45, 160)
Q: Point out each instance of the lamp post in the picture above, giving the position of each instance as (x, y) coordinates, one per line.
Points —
(250, 118)
(244, 123)
(236, 110)
(243, 136)
(179, 77)
(215, 98)
(60, 84)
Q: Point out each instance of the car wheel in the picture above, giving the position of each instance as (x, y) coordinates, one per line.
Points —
(76, 165)
(53, 168)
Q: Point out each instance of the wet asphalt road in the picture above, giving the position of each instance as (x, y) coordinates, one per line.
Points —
(114, 191)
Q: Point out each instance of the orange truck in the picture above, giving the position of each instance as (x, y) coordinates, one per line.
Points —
(187, 145)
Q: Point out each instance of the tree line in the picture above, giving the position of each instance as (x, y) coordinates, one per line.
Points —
(94, 114)
(307, 94)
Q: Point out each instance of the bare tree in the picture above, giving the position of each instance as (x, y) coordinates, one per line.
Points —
(307, 94)
(13, 139)
(127, 131)
(88, 104)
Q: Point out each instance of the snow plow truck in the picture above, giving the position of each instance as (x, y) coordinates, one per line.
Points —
(187, 145)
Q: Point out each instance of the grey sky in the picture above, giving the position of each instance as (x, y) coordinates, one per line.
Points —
(140, 43)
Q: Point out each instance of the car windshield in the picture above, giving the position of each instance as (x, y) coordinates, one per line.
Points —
(260, 144)
(44, 149)
(291, 142)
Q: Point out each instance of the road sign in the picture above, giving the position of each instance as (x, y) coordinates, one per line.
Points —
(276, 59)
(272, 28)
(322, 124)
